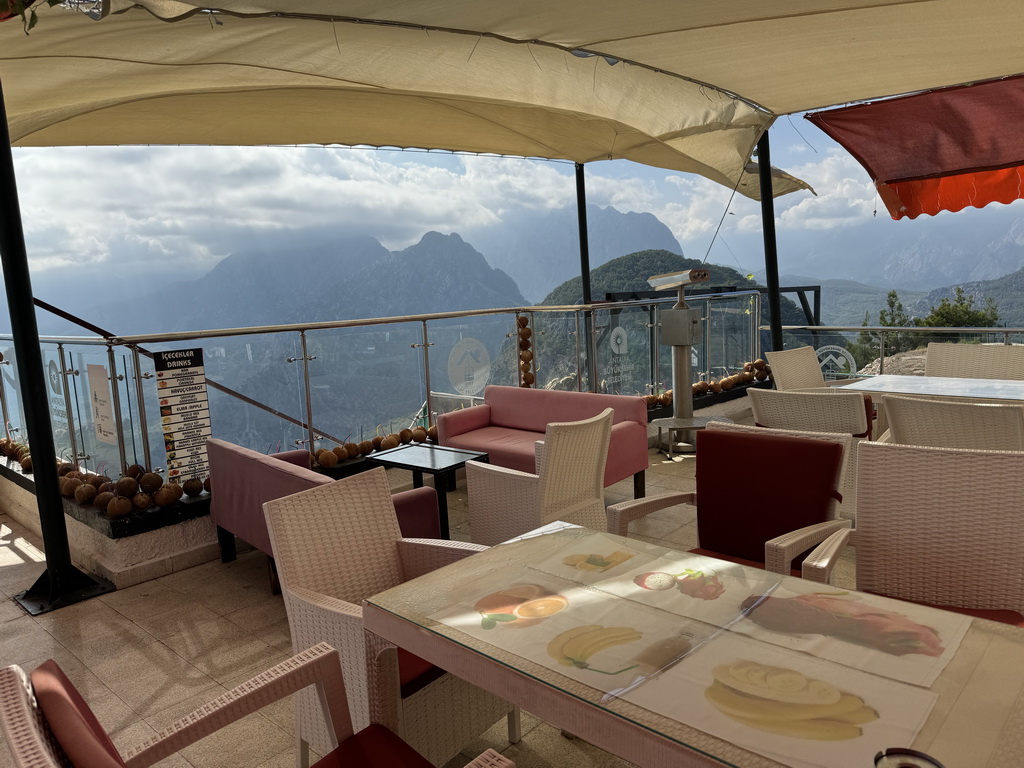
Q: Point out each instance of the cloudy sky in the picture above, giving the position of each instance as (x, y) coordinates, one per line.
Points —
(145, 212)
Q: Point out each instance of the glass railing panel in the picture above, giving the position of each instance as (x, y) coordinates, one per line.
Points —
(365, 381)
(466, 354)
(56, 361)
(254, 366)
(15, 413)
(92, 409)
(624, 350)
(559, 350)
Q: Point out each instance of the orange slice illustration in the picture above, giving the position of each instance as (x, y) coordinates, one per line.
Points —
(540, 607)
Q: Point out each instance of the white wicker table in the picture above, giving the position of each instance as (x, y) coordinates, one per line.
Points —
(939, 386)
(977, 718)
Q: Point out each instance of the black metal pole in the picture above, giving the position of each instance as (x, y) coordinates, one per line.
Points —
(588, 333)
(61, 584)
(771, 249)
(581, 213)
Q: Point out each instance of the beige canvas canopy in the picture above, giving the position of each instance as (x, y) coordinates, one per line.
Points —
(687, 86)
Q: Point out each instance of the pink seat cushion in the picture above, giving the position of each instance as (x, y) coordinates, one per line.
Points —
(505, 446)
(414, 673)
(788, 483)
(74, 725)
(373, 747)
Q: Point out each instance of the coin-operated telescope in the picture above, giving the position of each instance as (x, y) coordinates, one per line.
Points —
(680, 329)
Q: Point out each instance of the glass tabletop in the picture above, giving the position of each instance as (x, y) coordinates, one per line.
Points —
(752, 668)
(426, 457)
(993, 389)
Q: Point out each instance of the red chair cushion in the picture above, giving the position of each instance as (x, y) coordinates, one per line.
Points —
(373, 747)
(414, 673)
(73, 724)
(992, 614)
(787, 483)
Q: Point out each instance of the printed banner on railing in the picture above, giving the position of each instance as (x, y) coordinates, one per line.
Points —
(184, 412)
(102, 410)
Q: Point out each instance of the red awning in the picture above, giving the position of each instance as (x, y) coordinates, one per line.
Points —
(938, 150)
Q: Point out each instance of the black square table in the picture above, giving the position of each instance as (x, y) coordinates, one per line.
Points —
(437, 460)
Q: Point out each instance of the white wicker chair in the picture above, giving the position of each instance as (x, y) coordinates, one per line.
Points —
(48, 725)
(848, 475)
(335, 545)
(568, 486)
(935, 525)
(798, 368)
(952, 424)
(825, 411)
(974, 361)
(787, 504)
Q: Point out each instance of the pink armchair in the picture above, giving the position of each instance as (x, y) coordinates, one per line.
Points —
(244, 479)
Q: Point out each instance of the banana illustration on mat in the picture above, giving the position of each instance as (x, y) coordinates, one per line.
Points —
(786, 702)
(574, 647)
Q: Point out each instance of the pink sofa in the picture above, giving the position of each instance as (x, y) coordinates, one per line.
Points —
(243, 479)
(512, 419)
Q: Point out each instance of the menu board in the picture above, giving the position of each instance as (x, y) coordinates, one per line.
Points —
(184, 412)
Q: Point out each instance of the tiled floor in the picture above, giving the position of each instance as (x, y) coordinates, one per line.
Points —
(147, 655)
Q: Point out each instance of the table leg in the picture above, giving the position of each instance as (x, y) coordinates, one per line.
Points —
(417, 478)
(441, 486)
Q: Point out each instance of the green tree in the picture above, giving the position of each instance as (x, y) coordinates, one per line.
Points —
(960, 313)
(894, 316)
(865, 348)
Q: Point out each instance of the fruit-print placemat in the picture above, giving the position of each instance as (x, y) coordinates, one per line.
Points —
(886, 637)
(801, 711)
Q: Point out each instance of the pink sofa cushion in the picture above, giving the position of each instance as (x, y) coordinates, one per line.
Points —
(74, 725)
(534, 409)
(509, 448)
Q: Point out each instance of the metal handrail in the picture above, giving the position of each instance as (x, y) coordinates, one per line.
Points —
(585, 313)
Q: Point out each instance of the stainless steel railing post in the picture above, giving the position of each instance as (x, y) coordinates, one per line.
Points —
(426, 371)
(115, 397)
(64, 373)
(309, 395)
(141, 399)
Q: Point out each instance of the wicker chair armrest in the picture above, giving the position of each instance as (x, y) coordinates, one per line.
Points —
(819, 564)
(491, 759)
(780, 551)
(319, 665)
(306, 599)
(503, 502)
(622, 514)
(420, 556)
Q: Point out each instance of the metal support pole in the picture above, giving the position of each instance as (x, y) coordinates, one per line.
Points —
(309, 395)
(140, 397)
(115, 401)
(64, 373)
(3, 404)
(426, 371)
(61, 584)
(581, 215)
(771, 248)
(579, 367)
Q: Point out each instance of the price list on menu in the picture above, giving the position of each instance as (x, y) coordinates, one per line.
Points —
(184, 412)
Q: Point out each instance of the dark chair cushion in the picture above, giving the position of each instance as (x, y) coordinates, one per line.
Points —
(73, 724)
(786, 483)
(740, 561)
(373, 747)
(415, 673)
